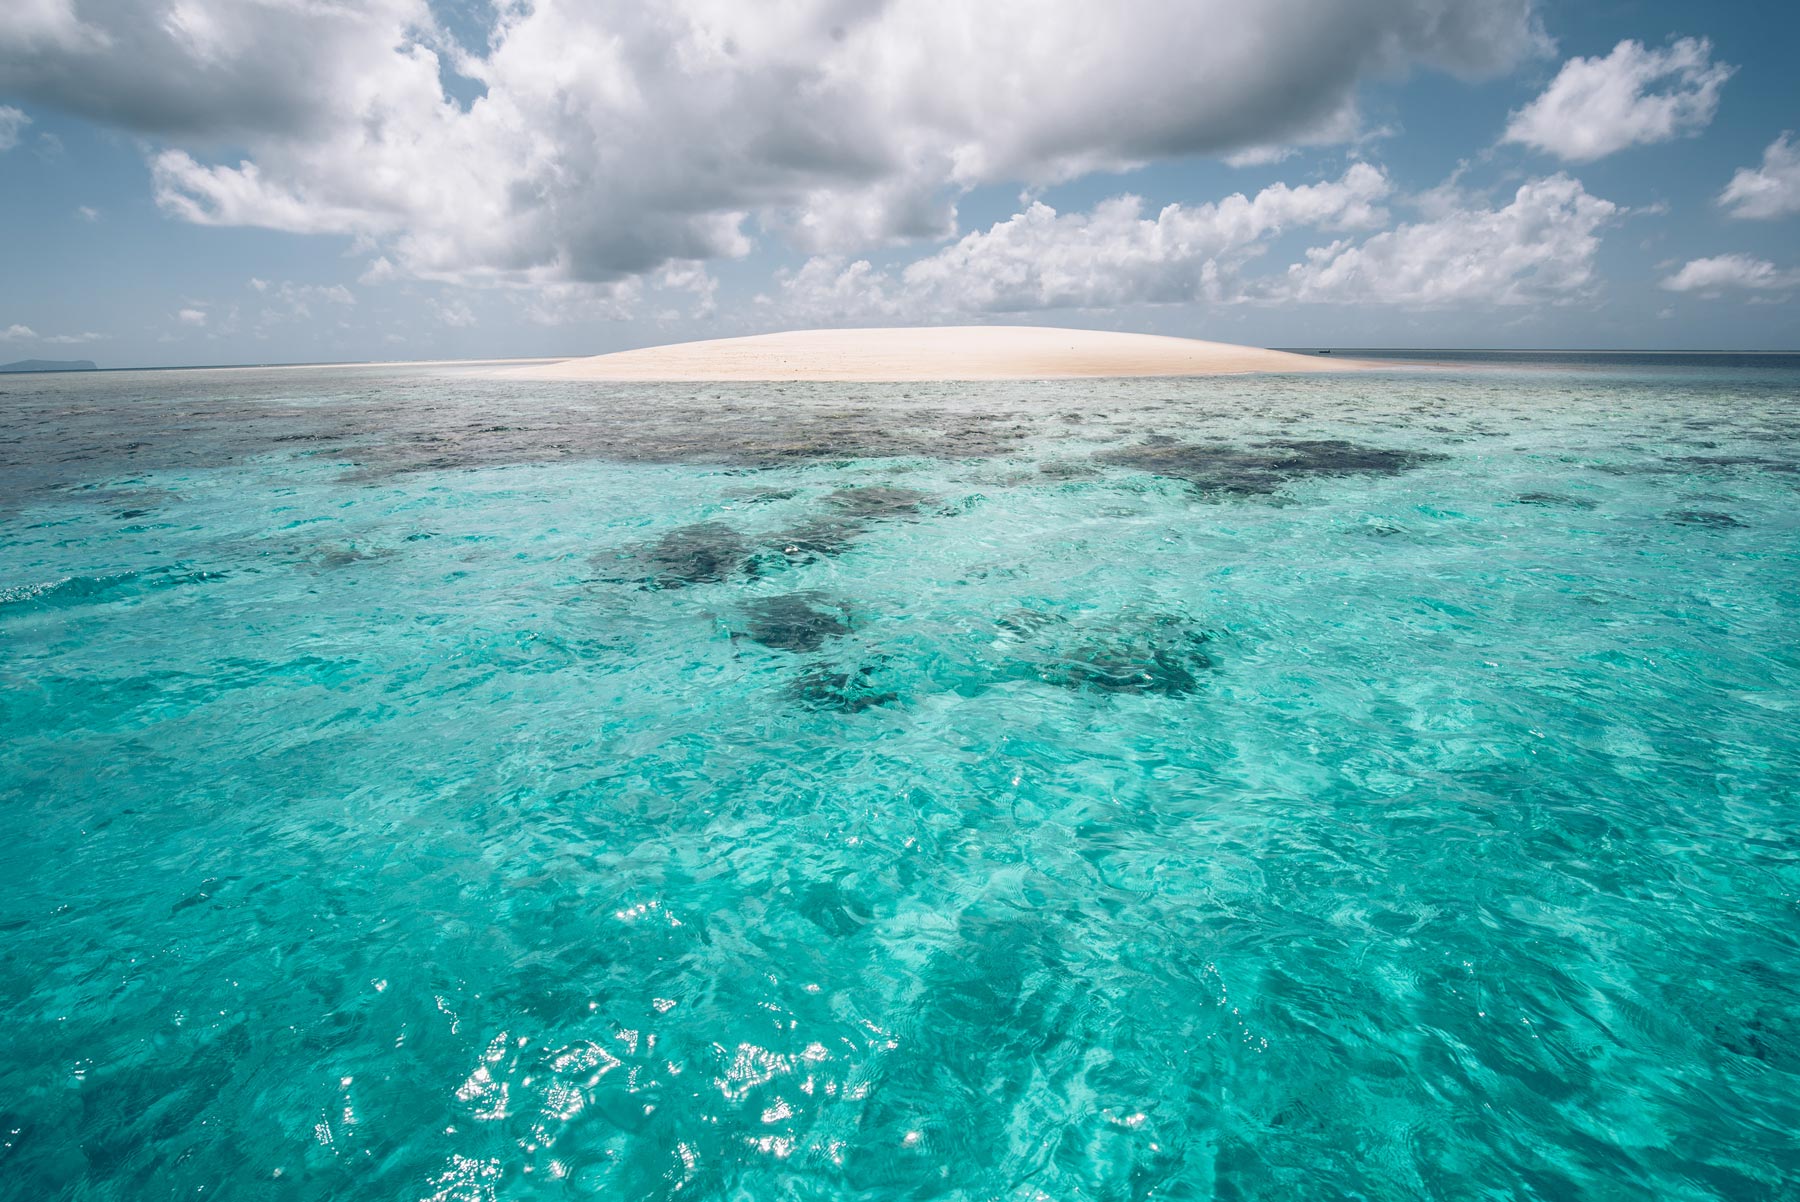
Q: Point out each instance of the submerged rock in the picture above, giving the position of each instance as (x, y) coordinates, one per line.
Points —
(1555, 499)
(1024, 623)
(877, 501)
(793, 622)
(1335, 457)
(704, 553)
(343, 555)
(1757, 461)
(854, 510)
(1059, 470)
(1704, 517)
(1206, 467)
(1160, 655)
(849, 691)
(1134, 665)
(820, 538)
(1264, 468)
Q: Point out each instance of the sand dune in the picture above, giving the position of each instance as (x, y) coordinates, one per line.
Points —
(935, 353)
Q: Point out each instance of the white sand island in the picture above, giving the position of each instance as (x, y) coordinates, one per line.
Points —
(932, 353)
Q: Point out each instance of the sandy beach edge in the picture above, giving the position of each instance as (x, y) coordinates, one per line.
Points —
(944, 353)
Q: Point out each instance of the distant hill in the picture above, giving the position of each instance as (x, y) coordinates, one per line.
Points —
(50, 365)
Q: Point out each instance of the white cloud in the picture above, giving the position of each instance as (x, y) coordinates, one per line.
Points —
(87, 213)
(242, 196)
(1711, 277)
(563, 302)
(380, 271)
(827, 291)
(1539, 247)
(23, 333)
(453, 313)
(337, 294)
(891, 211)
(191, 317)
(288, 301)
(12, 120)
(1115, 255)
(205, 68)
(692, 278)
(613, 137)
(1345, 126)
(1112, 255)
(1259, 156)
(38, 25)
(1633, 96)
(1772, 190)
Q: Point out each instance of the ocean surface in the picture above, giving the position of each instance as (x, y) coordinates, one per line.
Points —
(422, 785)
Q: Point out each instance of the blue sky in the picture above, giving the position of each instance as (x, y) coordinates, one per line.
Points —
(220, 181)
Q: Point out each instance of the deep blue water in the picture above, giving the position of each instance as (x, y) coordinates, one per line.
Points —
(418, 785)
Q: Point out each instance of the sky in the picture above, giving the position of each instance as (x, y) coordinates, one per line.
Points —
(263, 181)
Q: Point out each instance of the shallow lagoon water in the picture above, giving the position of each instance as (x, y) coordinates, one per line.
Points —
(424, 786)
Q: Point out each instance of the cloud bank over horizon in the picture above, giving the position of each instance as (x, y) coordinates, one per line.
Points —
(606, 161)
(610, 140)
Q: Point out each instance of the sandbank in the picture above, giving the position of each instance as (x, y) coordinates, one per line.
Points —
(932, 353)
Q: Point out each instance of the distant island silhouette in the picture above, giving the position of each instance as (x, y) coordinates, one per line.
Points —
(50, 365)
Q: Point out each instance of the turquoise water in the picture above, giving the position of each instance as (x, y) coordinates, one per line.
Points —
(419, 786)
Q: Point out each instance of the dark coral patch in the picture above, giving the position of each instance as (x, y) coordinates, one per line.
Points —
(704, 553)
(1336, 457)
(1024, 623)
(798, 622)
(1762, 462)
(852, 511)
(1264, 468)
(1161, 664)
(1555, 500)
(877, 501)
(816, 539)
(848, 691)
(1704, 517)
(1161, 655)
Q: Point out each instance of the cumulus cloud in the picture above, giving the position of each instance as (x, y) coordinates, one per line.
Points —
(12, 121)
(24, 333)
(1772, 190)
(1633, 96)
(607, 139)
(336, 294)
(696, 281)
(215, 69)
(287, 302)
(191, 317)
(1714, 276)
(1111, 255)
(1537, 248)
(454, 314)
(1114, 255)
(565, 303)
